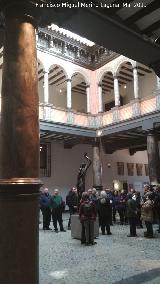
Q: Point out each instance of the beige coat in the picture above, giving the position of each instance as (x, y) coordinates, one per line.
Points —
(147, 211)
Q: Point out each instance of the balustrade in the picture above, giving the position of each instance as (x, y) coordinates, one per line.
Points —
(135, 108)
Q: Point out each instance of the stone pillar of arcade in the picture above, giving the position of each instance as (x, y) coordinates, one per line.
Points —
(69, 93)
(19, 156)
(135, 82)
(97, 166)
(153, 158)
(116, 91)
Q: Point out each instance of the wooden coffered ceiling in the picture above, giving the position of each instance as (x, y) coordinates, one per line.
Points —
(68, 140)
(134, 139)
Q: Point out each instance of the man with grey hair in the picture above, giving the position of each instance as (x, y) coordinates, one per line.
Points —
(45, 208)
(57, 207)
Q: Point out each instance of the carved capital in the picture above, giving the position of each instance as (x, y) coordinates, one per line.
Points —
(115, 76)
(96, 142)
(24, 10)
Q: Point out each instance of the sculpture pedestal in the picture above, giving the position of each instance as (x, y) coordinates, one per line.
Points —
(76, 227)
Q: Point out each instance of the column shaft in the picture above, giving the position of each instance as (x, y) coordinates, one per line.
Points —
(69, 94)
(97, 167)
(46, 89)
(19, 159)
(116, 92)
(88, 98)
(136, 87)
(100, 100)
(158, 82)
(153, 158)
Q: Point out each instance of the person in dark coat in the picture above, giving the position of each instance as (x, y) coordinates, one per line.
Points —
(57, 207)
(122, 207)
(45, 208)
(87, 215)
(115, 205)
(132, 215)
(110, 196)
(157, 206)
(92, 193)
(138, 199)
(147, 214)
(105, 213)
(72, 202)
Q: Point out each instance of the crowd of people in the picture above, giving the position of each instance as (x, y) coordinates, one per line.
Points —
(109, 206)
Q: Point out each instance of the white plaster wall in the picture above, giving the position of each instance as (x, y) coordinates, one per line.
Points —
(41, 91)
(56, 98)
(108, 97)
(79, 102)
(66, 162)
(65, 166)
(147, 84)
(110, 174)
(128, 93)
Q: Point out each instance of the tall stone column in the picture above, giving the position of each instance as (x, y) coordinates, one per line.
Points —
(116, 91)
(158, 82)
(153, 158)
(19, 146)
(100, 100)
(46, 89)
(69, 94)
(135, 80)
(97, 166)
(88, 97)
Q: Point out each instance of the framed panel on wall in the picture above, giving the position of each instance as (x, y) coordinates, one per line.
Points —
(139, 169)
(45, 159)
(130, 169)
(120, 168)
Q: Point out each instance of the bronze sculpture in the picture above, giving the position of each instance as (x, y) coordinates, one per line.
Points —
(81, 176)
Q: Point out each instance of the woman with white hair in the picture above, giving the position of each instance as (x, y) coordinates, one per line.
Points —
(105, 213)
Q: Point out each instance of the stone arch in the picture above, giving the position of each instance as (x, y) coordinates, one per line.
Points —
(123, 61)
(79, 92)
(57, 62)
(57, 85)
(83, 74)
(40, 69)
(102, 73)
(124, 73)
(107, 85)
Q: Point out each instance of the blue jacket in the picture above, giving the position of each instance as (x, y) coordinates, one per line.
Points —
(45, 200)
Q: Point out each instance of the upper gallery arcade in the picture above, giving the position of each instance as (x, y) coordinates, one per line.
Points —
(89, 80)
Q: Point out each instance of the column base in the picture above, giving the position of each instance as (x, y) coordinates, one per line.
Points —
(19, 227)
(98, 187)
